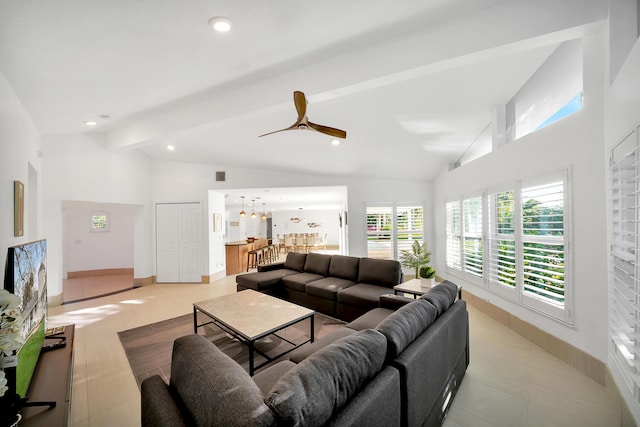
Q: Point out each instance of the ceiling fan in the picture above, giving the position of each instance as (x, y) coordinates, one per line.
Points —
(303, 122)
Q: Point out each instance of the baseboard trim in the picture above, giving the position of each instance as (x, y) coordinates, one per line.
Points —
(573, 356)
(101, 272)
(144, 281)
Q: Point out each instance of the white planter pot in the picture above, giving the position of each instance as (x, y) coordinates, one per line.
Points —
(427, 283)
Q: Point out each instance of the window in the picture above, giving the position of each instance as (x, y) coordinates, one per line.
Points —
(391, 229)
(472, 236)
(453, 235)
(524, 256)
(99, 221)
(501, 243)
(625, 289)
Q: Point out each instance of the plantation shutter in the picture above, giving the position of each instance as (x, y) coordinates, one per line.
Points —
(453, 235)
(472, 235)
(501, 242)
(409, 226)
(379, 232)
(625, 299)
(543, 241)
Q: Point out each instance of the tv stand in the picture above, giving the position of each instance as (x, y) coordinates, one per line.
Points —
(49, 392)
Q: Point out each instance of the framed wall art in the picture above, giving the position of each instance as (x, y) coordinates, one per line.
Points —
(18, 209)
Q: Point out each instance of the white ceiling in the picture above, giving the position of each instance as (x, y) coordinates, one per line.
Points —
(412, 82)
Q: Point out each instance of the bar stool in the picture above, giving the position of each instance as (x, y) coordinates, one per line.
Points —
(254, 257)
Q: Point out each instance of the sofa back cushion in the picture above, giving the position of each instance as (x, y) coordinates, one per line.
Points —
(405, 324)
(381, 272)
(310, 393)
(441, 296)
(214, 389)
(295, 261)
(344, 267)
(317, 264)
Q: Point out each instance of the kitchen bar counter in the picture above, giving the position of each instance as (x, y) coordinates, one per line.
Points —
(237, 254)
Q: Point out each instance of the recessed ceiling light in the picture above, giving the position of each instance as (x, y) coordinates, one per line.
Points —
(335, 142)
(90, 123)
(220, 24)
(171, 147)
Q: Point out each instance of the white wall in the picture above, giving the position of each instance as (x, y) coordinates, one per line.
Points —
(20, 145)
(576, 143)
(192, 182)
(78, 168)
(88, 250)
(328, 219)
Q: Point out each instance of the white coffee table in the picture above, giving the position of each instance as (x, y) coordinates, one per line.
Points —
(249, 316)
(415, 288)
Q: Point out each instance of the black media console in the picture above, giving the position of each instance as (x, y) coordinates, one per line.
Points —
(51, 382)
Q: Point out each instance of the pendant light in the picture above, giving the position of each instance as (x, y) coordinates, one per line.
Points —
(264, 214)
(242, 212)
(253, 209)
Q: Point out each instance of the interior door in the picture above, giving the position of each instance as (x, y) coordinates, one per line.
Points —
(178, 242)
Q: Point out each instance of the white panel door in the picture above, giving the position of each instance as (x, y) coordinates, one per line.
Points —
(190, 242)
(179, 242)
(167, 244)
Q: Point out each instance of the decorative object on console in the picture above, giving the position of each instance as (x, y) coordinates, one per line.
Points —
(10, 327)
(303, 123)
(314, 224)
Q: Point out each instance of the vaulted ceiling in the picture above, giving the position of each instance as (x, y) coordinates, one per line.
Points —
(412, 82)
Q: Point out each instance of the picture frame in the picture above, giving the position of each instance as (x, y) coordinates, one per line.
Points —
(18, 209)
(217, 223)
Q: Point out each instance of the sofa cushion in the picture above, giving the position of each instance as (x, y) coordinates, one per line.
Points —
(381, 272)
(268, 377)
(317, 264)
(441, 296)
(215, 389)
(362, 295)
(299, 354)
(298, 281)
(345, 267)
(310, 393)
(405, 324)
(263, 280)
(328, 287)
(295, 261)
(370, 319)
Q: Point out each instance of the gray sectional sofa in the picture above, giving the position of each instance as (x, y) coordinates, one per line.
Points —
(340, 286)
(399, 364)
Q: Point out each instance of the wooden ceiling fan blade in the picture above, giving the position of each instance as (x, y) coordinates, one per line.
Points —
(337, 133)
(281, 130)
(301, 105)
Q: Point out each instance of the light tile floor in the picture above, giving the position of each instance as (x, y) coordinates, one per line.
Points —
(510, 381)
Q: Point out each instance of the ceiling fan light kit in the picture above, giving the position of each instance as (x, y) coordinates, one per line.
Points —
(303, 123)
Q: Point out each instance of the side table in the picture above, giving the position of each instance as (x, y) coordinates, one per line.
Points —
(415, 288)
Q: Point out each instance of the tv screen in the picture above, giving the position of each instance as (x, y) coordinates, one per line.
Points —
(26, 277)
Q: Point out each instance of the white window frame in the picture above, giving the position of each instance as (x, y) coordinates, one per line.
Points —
(494, 237)
(394, 209)
(562, 311)
(624, 312)
(559, 311)
(468, 234)
(453, 234)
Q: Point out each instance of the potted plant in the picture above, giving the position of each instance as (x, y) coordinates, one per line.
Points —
(427, 276)
(416, 257)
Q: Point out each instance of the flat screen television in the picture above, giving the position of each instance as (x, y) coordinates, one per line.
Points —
(26, 277)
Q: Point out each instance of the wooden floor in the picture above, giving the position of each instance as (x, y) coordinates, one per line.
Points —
(510, 381)
(82, 288)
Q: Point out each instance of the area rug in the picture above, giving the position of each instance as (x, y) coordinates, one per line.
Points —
(149, 347)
